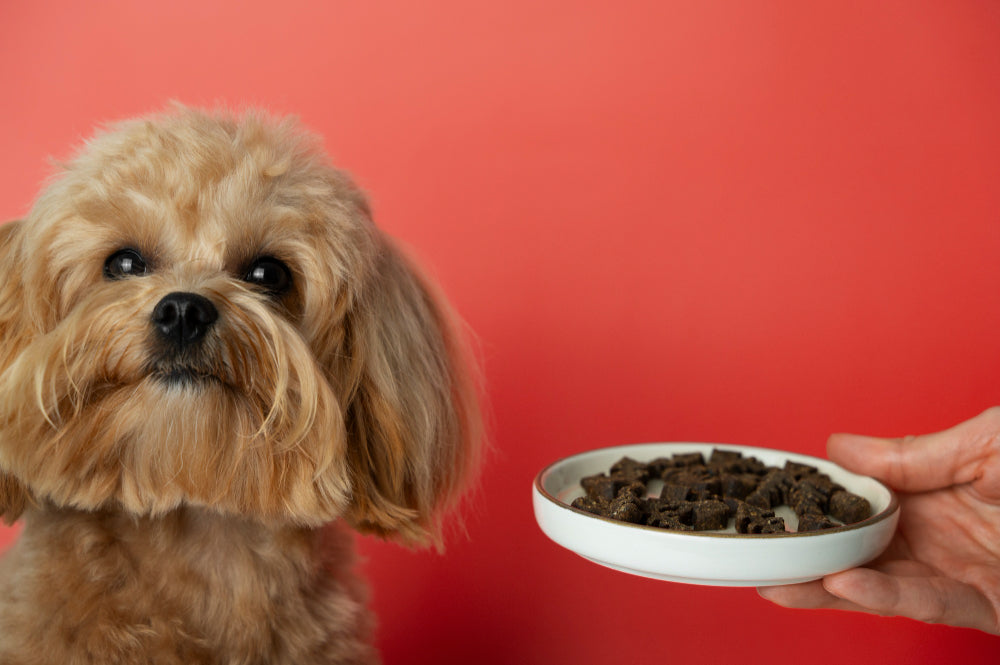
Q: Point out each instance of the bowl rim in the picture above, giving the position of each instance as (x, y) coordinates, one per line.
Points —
(884, 514)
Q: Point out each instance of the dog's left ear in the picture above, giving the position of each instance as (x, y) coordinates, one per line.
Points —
(13, 498)
(413, 417)
(13, 332)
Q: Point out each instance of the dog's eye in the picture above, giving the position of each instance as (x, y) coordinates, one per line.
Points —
(125, 263)
(269, 274)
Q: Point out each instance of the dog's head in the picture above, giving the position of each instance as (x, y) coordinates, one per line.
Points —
(199, 310)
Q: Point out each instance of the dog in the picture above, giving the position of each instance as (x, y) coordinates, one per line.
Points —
(214, 369)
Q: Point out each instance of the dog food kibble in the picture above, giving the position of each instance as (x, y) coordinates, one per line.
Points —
(815, 522)
(703, 496)
(751, 519)
(848, 508)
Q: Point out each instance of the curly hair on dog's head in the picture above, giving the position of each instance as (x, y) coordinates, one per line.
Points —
(200, 312)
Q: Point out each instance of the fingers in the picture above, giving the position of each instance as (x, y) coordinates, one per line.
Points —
(928, 599)
(805, 596)
(962, 454)
(907, 593)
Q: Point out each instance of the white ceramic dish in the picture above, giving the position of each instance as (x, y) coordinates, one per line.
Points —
(722, 558)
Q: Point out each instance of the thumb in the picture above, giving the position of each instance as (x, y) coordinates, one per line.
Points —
(966, 453)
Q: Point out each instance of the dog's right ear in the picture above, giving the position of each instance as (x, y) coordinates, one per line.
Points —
(13, 495)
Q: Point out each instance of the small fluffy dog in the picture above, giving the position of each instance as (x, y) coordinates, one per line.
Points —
(212, 364)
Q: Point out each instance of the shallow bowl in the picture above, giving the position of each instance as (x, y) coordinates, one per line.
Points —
(722, 558)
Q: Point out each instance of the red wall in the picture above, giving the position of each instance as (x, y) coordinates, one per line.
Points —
(713, 221)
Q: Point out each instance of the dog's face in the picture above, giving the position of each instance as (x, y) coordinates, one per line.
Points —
(200, 311)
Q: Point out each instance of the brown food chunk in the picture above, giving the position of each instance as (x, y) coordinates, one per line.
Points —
(636, 489)
(746, 513)
(724, 457)
(814, 522)
(737, 486)
(807, 507)
(733, 462)
(821, 482)
(626, 507)
(770, 525)
(720, 456)
(591, 505)
(805, 498)
(659, 465)
(601, 486)
(710, 515)
(689, 459)
(706, 488)
(675, 492)
(776, 483)
(629, 470)
(754, 466)
(750, 519)
(798, 470)
(701, 480)
(732, 503)
(668, 521)
(682, 509)
(759, 499)
(676, 515)
(848, 507)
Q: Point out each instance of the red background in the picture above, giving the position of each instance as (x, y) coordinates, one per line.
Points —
(749, 222)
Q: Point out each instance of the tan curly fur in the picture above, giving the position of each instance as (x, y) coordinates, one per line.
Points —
(204, 521)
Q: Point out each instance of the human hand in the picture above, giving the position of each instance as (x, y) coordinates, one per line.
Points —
(943, 564)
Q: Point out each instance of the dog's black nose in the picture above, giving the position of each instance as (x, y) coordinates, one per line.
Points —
(184, 318)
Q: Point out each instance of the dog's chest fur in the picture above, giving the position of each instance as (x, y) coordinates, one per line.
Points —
(190, 587)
